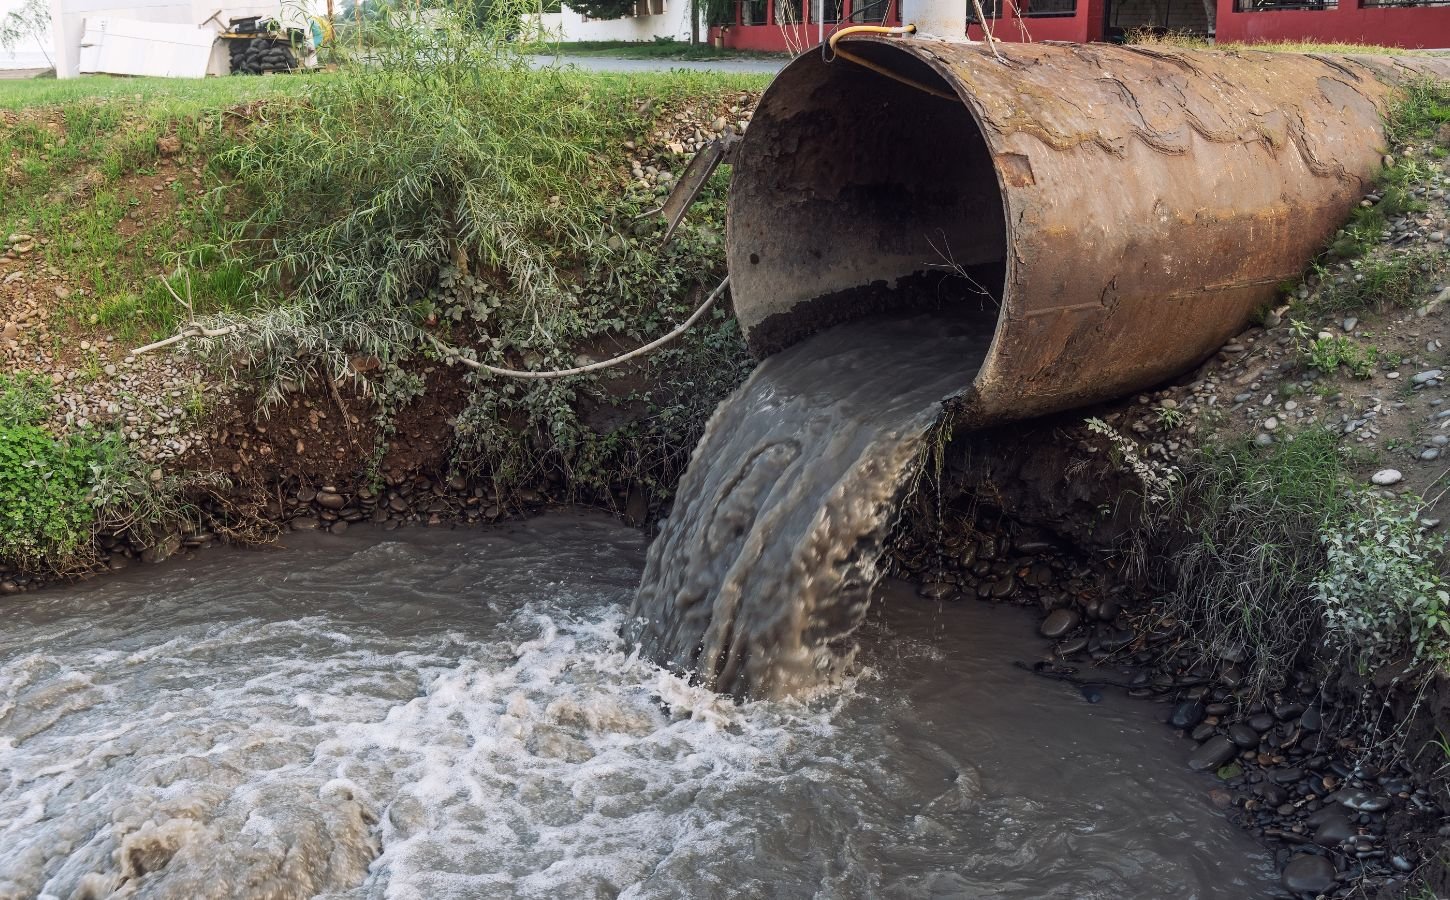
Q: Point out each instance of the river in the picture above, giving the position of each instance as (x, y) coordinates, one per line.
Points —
(441, 714)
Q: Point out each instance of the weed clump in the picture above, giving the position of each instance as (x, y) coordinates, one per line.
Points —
(1280, 559)
(1247, 549)
(455, 195)
(1383, 598)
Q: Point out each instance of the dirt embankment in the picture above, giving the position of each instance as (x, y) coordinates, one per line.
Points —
(325, 456)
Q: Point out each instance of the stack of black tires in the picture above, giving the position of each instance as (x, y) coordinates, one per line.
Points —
(260, 46)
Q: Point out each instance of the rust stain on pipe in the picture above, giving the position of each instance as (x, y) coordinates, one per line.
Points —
(1124, 210)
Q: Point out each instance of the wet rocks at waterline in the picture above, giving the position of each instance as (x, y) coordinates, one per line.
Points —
(1287, 773)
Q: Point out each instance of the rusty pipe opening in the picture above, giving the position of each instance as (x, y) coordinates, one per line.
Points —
(856, 193)
(1114, 214)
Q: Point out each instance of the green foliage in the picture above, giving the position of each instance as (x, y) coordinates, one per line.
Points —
(1382, 282)
(45, 510)
(1327, 354)
(454, 193)
(1420, 113)
(1383, 599)
(28, 21)
(1248, 522)
(1169, 417)
(448, 151)
(24, 399)
(605, 9)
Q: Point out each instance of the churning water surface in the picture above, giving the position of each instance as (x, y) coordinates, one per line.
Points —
(454, 714)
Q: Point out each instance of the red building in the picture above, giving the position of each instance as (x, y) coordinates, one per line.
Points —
(795, 25)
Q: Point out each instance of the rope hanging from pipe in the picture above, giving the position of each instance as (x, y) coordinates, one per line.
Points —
(453, 354)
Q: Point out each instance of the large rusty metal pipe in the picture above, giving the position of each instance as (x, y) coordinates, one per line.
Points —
(1118, 212)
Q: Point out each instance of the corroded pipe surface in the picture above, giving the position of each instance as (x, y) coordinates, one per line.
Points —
(1126, 210)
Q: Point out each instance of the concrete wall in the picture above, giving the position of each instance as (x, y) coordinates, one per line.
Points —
(68, 19)
(673, 21)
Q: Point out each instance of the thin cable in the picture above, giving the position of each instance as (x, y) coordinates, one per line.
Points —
(454, 355)
(882, 70)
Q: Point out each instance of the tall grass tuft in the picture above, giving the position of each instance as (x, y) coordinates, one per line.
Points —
(444, 151)
(1247, 547)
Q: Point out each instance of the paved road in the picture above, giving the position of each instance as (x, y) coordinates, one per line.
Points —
(742, 66)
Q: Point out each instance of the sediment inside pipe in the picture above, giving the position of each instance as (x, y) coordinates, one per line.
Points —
(856, 194)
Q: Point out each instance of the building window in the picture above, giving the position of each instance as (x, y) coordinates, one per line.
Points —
(869, 12)
(1047, 9)
(1275, 5)
(826, 11)
(992, 9)
(752, 12)
(1382, 4)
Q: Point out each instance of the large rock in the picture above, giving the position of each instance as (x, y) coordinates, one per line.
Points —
(1308, 874)
(1212, 753)
(1059, 622)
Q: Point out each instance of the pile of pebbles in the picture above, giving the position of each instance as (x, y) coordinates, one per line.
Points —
(157, 401)
(402, 500)
(1283, 775)
(679, 136)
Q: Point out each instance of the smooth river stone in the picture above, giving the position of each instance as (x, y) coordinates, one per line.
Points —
(1333, 830)
(1363, 801)
(1212, 753)
(1186, 714)
(1059, 622)
(1308, 874)
(1243, 735)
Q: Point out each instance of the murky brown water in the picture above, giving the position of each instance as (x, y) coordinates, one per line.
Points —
(765, 565)
(432, 714)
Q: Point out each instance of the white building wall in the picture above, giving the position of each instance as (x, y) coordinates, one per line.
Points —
(68, 18)
(569, 25)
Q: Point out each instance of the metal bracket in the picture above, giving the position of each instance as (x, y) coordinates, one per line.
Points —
(697, 173)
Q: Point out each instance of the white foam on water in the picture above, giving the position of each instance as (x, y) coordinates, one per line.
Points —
(549, 763)
(459, 717)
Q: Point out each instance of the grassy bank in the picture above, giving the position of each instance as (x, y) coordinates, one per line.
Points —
(335, 231)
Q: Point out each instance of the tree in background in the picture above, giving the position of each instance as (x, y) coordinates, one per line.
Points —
(603, 9)
(30, 21)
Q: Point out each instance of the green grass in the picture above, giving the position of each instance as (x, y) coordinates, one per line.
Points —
(1328, 354)
(656, 49)
(1420, 113)
(1248, 521)
(1195, 42)
(1395, 280)
(176, 93)
(80, 175)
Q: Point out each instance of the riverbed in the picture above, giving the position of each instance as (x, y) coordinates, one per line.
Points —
(434, 713)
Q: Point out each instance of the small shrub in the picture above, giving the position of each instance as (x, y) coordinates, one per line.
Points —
(24, 399)
(1385, 282)
(1420, 113)
(1242, 529)
(1327, 354)
(45, 510)
(1383, 599)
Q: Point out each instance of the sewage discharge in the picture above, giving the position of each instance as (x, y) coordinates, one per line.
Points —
(453, 715)
(1133, 207)
(767, 562)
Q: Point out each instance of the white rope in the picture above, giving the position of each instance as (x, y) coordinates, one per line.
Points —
(192, 330)
(987, 29)
(454, 355)
(195, 329)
